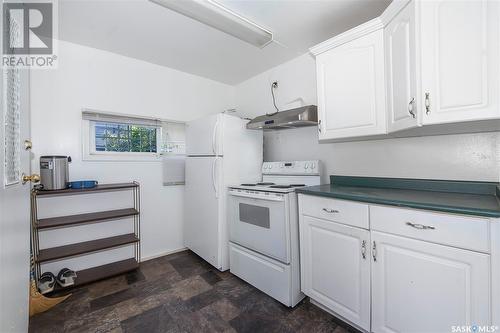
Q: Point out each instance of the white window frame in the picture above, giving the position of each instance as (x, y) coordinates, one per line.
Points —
(88, 139)
(90, 154)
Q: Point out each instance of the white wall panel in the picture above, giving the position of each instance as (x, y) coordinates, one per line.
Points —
(91, 78)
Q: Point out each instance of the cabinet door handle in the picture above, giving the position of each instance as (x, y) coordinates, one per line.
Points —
(374, 251)
(420, 226)
(427, 104)
(319, 125)
(331, 211)
(363, 249)
(410, 107)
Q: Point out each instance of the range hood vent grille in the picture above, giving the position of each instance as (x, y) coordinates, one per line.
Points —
(299, 117)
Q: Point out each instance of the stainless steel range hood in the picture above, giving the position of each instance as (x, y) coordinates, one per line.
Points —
(299, 117)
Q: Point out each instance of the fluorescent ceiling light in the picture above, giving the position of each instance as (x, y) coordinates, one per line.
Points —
(219, 17)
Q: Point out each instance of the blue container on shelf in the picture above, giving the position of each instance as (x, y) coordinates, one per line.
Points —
(79, 184)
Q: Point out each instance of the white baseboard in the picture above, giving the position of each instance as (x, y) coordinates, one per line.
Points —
(162, 254)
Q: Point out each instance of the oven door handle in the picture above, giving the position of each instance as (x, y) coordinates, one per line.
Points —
(253, 196)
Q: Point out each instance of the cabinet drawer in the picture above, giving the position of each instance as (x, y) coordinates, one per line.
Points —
(266, 274)
(341, 211)
(455, 230)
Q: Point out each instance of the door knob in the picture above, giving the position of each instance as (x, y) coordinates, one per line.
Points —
(34, 178)
(28, 145)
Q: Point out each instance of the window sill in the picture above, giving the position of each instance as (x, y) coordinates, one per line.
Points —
(122, 157)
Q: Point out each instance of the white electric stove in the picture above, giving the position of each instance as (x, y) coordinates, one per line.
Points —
(264, 231)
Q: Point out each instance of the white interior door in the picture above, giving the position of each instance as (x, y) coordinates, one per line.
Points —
(459, 57)
(14, 201)
(335, 268)
(424, 287)
(401, 70)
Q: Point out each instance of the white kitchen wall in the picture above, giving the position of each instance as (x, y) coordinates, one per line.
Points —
(91, 78)
(462, 157)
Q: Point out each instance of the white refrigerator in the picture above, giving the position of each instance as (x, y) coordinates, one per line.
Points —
(220, 152)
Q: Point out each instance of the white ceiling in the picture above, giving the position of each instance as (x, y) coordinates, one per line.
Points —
(147, 31)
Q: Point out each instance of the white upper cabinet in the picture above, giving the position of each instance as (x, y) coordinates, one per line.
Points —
(351, 85)
(421, 63)
(402, 99)
(460, 56)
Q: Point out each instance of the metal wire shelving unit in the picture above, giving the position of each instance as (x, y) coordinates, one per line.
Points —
(102, 244)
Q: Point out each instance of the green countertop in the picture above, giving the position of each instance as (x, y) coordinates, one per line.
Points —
(460, 197)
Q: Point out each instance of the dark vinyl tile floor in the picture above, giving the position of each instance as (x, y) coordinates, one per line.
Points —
(179, 293)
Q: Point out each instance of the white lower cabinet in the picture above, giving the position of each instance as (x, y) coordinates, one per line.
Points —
(407, 274)
(418, 286)
(335, 268)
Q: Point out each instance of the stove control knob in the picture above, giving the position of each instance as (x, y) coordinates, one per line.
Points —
(270, 166)
(306, 166)
(313, 166)
(282, 165)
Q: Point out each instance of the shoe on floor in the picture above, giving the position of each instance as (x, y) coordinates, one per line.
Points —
(66, 277)
(46, 283)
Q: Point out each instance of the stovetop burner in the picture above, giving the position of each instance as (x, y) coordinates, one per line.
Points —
(262, 186)
(259, 184)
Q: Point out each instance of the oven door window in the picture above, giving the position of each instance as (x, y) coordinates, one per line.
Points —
(256, 215)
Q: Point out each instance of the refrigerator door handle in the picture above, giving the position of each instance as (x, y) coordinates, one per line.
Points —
(214, 182)
(214, 137)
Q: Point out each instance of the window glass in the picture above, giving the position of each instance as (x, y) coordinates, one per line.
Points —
(116, 137)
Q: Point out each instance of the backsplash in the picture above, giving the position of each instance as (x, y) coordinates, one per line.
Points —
(458, 157)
